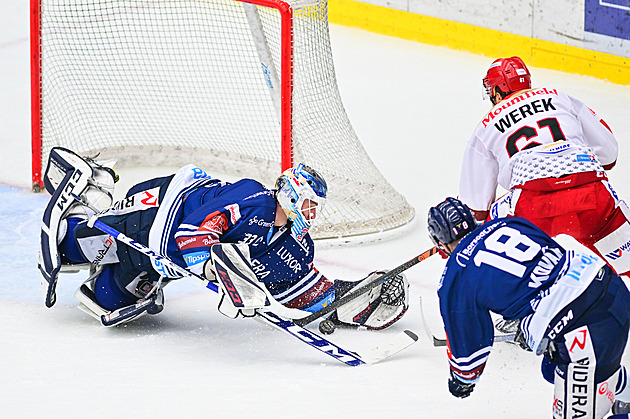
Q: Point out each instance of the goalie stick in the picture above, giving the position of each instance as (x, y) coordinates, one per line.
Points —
(351, 358)
(365, 288)
(442, 342)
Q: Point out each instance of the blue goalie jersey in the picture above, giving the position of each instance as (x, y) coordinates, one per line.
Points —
(198, 212)
(503, 266)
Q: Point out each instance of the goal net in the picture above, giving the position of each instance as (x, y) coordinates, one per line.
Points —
(240, 87)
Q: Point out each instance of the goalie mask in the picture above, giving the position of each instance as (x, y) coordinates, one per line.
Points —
(301, 192)
(507, 75)
(448, 222)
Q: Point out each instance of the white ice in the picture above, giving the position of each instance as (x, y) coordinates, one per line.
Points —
(413, 106)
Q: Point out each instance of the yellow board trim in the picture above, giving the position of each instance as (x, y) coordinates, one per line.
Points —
(478, 40)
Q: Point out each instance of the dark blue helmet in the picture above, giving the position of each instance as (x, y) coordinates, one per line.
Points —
(449, 221)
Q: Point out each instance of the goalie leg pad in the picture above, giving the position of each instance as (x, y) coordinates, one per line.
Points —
(241, 291)
(376, 309)
(72, 181)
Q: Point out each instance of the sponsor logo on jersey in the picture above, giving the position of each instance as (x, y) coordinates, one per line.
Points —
(260, 222)
(199, 173)
(215, 222)
(606, 391)
(235, 213)
(137, 202)
(107, 244)
(259, 269)
(290, 260)
(580, 341)
(184, 243)
(149, 199)
(553, 148)
(508, 103)
(195, 258)
(585, 158)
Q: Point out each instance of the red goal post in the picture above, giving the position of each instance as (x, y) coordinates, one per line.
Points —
(245, 88)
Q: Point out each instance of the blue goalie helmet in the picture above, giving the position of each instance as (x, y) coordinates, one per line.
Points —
(449, 221)
(301, 192)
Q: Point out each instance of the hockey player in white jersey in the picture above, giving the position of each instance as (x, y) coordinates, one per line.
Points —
(551, 153)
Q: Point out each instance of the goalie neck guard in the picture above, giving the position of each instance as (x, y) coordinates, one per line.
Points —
(448, 222)
(301, 190)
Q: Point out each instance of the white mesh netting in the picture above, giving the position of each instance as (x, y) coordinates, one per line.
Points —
(171, 82)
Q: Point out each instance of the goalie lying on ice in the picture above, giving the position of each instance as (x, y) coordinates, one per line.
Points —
(182, 217)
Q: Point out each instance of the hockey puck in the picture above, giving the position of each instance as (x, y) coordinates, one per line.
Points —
(327, 327)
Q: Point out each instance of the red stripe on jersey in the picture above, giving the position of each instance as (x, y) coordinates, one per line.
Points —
(605, 124)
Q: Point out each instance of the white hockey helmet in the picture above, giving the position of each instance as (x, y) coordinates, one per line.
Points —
(294, 187)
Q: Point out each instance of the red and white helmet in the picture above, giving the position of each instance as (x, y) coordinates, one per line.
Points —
(508, 75)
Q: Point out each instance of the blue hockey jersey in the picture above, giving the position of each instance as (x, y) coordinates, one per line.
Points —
(505, 266)
(197, 212)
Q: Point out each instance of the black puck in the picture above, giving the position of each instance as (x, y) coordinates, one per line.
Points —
(327, 327)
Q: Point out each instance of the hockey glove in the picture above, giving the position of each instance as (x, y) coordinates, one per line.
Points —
(459, 388)
(520, 340)
(376, 309)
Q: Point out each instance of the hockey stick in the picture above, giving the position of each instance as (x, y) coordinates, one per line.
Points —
(395, 345)
(442, 342)
(365, 288)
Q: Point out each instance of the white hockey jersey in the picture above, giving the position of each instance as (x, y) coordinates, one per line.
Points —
(522, 121)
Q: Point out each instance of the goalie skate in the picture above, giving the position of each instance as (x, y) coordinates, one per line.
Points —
(78, 186)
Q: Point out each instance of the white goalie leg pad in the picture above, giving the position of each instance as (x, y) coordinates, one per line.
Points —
(241, 292)
(78, 187)
(66, 177)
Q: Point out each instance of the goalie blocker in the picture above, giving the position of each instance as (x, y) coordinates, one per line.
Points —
(242, 293)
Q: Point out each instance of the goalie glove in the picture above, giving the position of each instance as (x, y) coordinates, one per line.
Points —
(241, 292)
(376, 309)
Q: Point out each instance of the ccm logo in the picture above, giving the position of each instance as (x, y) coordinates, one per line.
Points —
(229, 286)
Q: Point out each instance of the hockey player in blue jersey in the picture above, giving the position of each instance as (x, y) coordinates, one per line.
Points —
(181, 217)
(573, 309)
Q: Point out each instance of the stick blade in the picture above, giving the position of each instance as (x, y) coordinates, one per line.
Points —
(390, 348)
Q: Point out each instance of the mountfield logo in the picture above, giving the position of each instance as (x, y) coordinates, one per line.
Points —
(617, 253)
(529, 109)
